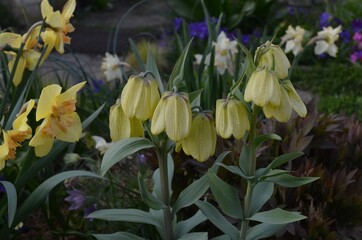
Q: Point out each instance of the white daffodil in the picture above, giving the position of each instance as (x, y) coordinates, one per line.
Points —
(101, 144)
(225, 51)
(326, 44)
(111, 67)
(293, 38)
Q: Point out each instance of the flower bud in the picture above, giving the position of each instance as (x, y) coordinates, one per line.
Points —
(263, 88)
(289, 101)
(172, 115)
(201, 142)
(231, 118)
(273, 57)
(140, 97)
(122, 127)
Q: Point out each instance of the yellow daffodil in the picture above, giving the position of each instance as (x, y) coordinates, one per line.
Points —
(231, 118)
(59, 26)
(60, 119)
(140, 97)
(122, 127)
(263, 88)
(201, 142)
(13, 138)
(172, 115)
(289, 101)
(273, 57)
(29, 56)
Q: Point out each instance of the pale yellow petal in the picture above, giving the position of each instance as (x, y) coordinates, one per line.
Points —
(18, 76)
(158, 118)
(295, 100)
(41, 141)
(32, 57)
(49, 37)
(55, 20)
(68, 10)
(47, 101)
(119, 124)
(223, 128)
(8, 37)
(136, 128)
(70, 94)
(4, 150)
(43, 150)
(46, 9)
(20, 123)
(73, 132)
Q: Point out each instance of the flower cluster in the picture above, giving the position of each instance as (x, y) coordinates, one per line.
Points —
(27, 48)
(268, 86)
(325, 40)
(60, 121)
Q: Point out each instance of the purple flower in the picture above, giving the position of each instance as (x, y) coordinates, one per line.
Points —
(198, 30)
(245, 39)
(76, 198)
(324, 19)
(345, 35)
(357, 37)
(177, 24)
(356, 56)
(89, 210)
(97, 84)
(357, 25)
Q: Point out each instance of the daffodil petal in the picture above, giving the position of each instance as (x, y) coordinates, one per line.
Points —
(20, 122)
(18, 76)
(68, 10)
(47, 100)
(71, 93)
(46, 9)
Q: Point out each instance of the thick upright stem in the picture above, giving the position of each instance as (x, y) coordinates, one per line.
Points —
(162, 164)
(251, 183)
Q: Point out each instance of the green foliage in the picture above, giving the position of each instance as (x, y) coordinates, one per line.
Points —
(337, 85)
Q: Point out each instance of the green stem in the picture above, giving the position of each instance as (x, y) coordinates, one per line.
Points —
(251, 183)
(162, 164)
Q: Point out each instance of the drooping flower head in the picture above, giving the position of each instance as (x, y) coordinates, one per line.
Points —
(172, 115)
(201, 142)
(272, 57)
(120, 126)
(76, 198)
(111, 66)
(263, 88)
(29, 56)
(59, 25)
(328, 36)
(14, 137)
(293, 38)
(231, 118)
(140, 97)
(290, 100)
(60, 119)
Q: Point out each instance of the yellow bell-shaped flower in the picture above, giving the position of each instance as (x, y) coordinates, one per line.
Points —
(273, 57)
(172, 115)
(263, 88)
(290, 100)
(140, 97)
(60, 119)
(120, 126)
(201, 142)
(231, 118)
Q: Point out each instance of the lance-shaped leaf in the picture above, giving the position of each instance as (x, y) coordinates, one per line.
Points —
(277, 216)
(261, 194)
(183, 227)
(264, 230)
(178, 71)
(121, 149)
(226, 196)
(290, 181)
(218, 219)
(149, 199)
(12, 200)
(269, 136)
(126, 215)
(40, 193)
